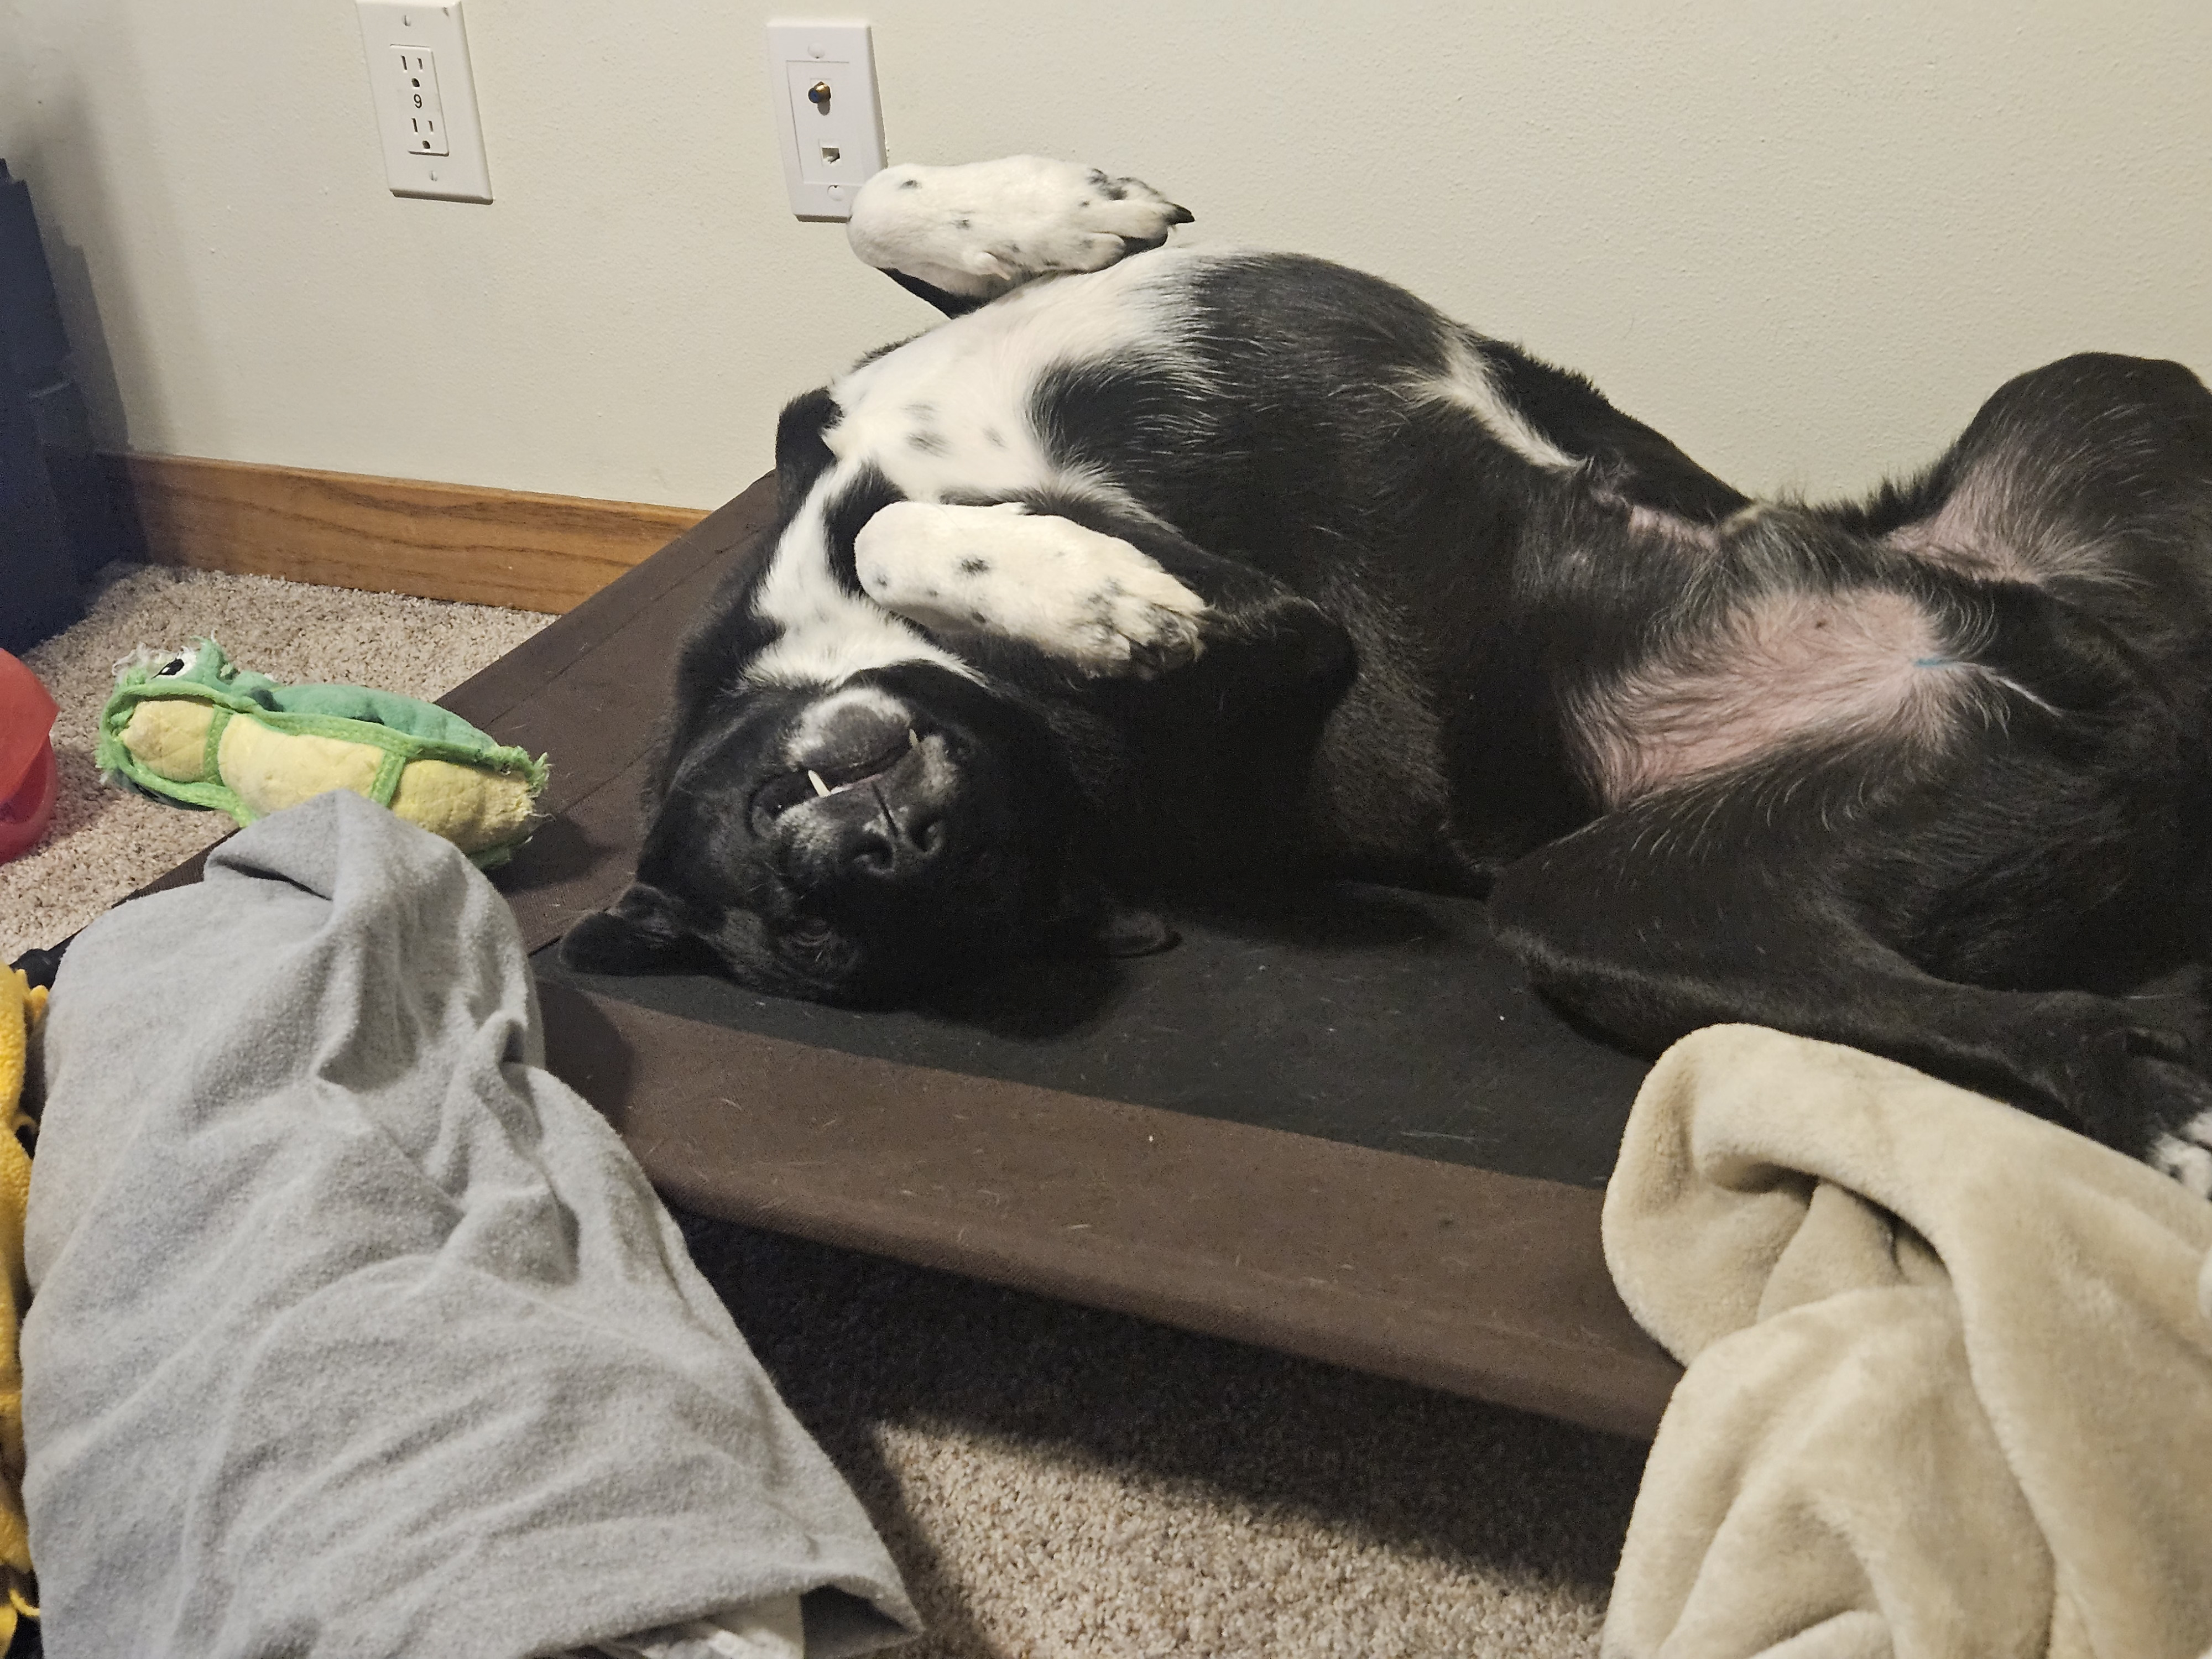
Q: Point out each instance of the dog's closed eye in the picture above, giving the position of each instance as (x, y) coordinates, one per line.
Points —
(808, 933)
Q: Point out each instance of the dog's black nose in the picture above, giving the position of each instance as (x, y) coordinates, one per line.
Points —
(898, 842)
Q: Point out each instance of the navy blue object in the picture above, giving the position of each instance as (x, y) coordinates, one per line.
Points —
(59, 520)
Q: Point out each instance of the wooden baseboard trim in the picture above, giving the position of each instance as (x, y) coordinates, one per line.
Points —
(440, 541)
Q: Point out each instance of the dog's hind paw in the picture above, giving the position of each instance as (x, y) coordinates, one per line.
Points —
(2185, 1154)
(2157, 1106)
(977, 231)
(1089, 600)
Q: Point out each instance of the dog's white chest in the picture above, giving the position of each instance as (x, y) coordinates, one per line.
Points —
(955, 411)
(952, 413)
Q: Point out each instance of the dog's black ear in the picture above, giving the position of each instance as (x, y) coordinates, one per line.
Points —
(1126, 933)
(640, 935)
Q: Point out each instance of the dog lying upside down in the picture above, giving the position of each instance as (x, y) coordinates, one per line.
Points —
(1153, 565)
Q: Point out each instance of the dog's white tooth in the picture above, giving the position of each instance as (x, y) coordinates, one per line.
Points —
(815, 777)
(912, 741)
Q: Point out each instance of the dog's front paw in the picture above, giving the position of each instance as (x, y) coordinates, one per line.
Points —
(1091, 601)
(1123, 614)
(979, 230)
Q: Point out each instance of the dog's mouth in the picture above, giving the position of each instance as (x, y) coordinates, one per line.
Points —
(826, 778)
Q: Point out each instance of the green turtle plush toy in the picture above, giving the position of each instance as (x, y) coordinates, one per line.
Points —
(191, 726)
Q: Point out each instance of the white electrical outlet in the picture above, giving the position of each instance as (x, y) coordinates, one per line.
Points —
(419, 106)
(822, 91)
(426, 100)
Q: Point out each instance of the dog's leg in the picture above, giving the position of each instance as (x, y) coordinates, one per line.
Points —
(1088, 600)
(1651, 928)
(1109, 593)
(960, 236)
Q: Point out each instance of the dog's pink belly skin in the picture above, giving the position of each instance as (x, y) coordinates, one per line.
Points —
(1865, 662)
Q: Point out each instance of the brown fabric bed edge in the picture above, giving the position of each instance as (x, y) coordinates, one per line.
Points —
(1456, 1278)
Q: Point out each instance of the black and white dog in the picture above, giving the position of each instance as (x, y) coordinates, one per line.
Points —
(1163, 568)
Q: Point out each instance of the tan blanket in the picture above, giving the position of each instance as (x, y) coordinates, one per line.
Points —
(1949, 1384)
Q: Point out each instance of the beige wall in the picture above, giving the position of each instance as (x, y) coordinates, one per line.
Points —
(1803, 238)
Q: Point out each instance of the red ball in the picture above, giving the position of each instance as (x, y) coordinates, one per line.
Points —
(27, 757)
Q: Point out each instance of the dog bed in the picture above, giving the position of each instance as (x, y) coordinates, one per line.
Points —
(1344, 1129)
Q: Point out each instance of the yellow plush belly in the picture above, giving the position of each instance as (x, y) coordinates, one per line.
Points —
(268, 770)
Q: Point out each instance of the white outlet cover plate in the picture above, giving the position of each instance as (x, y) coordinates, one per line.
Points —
(390, 27)
(828, 152)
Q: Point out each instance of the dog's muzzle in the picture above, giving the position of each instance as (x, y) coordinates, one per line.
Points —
(867, 803)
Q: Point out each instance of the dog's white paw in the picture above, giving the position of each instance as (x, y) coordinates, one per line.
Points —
(2185, 1154)
(1089, 600)
(979, 230)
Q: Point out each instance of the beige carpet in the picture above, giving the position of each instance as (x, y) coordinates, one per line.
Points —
(1054, 1481)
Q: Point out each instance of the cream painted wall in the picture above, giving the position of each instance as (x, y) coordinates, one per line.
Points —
(1803, 238)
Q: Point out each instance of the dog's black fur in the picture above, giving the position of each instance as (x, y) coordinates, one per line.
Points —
(1429, 658)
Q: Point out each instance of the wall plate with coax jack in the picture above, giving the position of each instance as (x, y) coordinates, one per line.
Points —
(821, 92)
(426, 100)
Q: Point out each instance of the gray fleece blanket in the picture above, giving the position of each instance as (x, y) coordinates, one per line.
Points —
(356, 1332)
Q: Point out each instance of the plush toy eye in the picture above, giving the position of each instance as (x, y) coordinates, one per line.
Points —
(174, 665)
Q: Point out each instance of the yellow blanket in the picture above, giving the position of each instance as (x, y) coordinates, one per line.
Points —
(1949, 1384)
(20, 1008)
